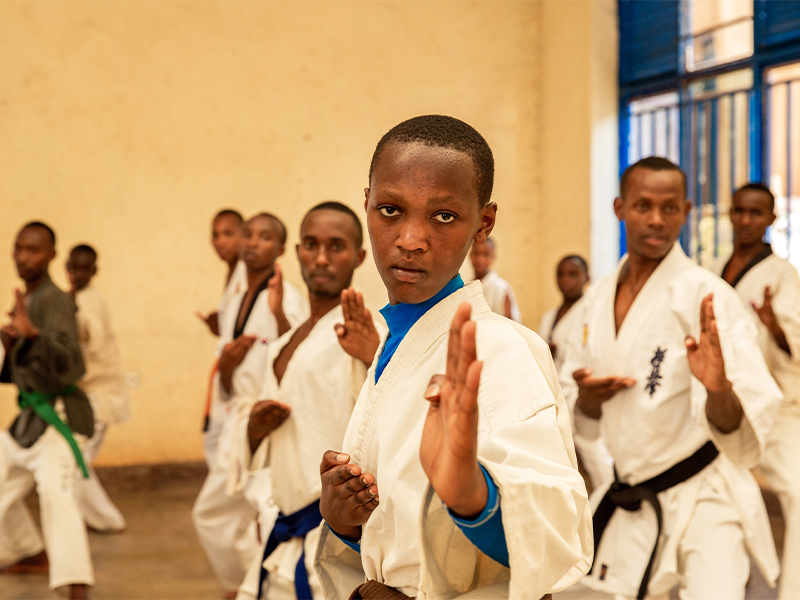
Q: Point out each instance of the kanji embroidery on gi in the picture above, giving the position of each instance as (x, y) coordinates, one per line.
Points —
(654, 380)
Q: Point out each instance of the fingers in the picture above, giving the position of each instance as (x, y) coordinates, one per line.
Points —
(454, 340)
(468, 354)
(278, 276)
(332, 459)
(346, 312)
(767, 296)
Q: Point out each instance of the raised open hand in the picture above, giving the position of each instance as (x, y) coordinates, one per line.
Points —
(231, 357)
(357, 335)
(449, 448)
(348, 495)
(705, 357)
(266, 417)
(20, 320)
(275, 288)
(211, 320)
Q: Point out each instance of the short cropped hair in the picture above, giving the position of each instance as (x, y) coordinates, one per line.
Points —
(229, 212)
(758, 187)
(653, 163)
(38, 224)
(85, 249)
(277, 221)
(445, 132)
(334, 205)
(578, 259)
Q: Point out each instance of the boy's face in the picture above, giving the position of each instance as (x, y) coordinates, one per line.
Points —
(751, 215)
(654, 208)
(261, 244)
(423, 214)
(33, 252)
(327, 252)
(80, 270)
(225, 236)
(481, 256)
(571, 278)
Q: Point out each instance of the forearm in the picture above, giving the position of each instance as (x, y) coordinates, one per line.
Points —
(590, 407)
(226, 378)
(779, 335)
(724, 410)
(283, 322)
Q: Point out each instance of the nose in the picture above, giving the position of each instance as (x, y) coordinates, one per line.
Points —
(655, 218)
(413, 236)
(322, 256)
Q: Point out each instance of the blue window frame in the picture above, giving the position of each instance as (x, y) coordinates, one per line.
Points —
(728, 116)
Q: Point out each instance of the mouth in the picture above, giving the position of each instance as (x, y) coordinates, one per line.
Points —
(655, 240)
(408, 271)
(321, 276)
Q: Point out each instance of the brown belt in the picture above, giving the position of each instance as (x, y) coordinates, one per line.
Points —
(372, 590)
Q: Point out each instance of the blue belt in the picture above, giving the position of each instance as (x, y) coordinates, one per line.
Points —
(296, 525)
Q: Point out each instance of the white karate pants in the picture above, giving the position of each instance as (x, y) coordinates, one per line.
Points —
(226, 526)
(781, 467)
(50, 465)
(97, 508)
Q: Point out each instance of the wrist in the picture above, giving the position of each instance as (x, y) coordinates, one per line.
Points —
(590, 409)
(30, 333)
(352, 534)
(470, 505)
(719, 388)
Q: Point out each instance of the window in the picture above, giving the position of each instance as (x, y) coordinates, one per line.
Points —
(715, 86)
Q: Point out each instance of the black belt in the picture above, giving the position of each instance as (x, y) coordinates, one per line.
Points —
(629, 497)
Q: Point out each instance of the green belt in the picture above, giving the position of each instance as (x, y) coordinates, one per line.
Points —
(40, 403)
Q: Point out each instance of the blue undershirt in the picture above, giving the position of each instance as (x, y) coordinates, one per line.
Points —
(486, 530)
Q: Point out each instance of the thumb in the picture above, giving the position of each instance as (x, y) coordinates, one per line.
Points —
(340, 329)
(582, 374)
(691, 343)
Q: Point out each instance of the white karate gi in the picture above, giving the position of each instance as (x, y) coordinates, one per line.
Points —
(104, 383)
(234, 287)
(321, 384)
(226, 522)
(594, 455)
(712, 518)
(410, 542)
(781, 461)
(495, 291)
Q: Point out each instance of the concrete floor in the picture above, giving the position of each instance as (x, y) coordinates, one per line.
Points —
(158, 555)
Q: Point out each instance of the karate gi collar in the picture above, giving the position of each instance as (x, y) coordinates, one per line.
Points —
(400, 318)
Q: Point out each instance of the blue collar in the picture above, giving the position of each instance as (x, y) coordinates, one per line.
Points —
(400, 318)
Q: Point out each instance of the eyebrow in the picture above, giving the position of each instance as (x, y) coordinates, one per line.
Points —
(432, 200)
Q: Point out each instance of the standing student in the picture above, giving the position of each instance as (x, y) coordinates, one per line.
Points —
(498, 292)
(666, 366)
(572, 275)
(43, 359)
(771, 287)
(454, 475)
(103, 382)
(314, 375)
(264, 310)
(226, 237)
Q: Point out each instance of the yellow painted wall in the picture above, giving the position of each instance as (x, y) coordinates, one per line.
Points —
(128, 124)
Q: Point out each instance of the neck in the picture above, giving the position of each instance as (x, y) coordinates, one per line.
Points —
(32, 284)
(640, 268)
(231, 267)
(747, 252)
(568, 302)
(256, 277)
(321, 305)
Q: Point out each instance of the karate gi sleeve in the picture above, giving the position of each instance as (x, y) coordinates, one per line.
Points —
(748, 373)
(53, 360)
(786, 305)
(525, 444)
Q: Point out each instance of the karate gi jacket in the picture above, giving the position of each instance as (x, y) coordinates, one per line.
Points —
(661, 419)
(410, 542)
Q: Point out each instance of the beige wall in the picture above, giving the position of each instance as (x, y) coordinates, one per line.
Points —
(128, 124)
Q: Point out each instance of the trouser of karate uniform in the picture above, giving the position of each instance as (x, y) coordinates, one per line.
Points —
(97, 508)
(712, 556)
(781, 467)
(226, 527)
(49, 465)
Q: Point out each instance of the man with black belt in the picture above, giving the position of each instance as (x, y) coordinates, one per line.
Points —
(43, 358)
(771, 286)
(667, 369)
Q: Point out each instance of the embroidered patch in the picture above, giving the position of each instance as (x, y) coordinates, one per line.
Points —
(585, 333)
(603, 571)
(654, 380)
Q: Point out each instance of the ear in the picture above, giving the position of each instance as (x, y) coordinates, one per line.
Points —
(689, 206)
(282, 250)
(297, 251)
(366, 198)
(618, 209)
(94, 270)
(360, 256)
(772, 218)
(488, 219)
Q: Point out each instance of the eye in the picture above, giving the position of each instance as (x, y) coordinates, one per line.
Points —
(444, 217)
(338, 247)
(308, 245)
(388, 211)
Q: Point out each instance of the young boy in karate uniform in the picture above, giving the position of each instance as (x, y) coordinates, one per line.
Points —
(314, 375)
(265, 309)
(497, 291)
(103, 382)
(455, 475)
(667, 367)
(771, 286)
